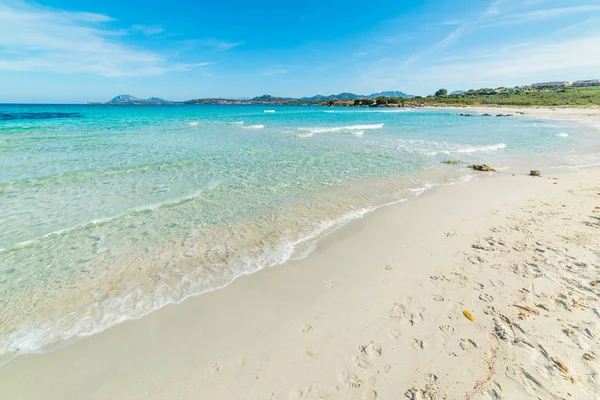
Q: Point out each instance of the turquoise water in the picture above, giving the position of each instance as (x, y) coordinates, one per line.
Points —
(110, 212)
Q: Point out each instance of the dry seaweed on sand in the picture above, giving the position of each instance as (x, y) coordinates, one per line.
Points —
(527, 308)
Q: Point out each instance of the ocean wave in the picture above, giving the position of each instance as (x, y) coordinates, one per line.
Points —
(562, 134)
(261, 126)
(269, 111)
(362, 110)
(237, 123)
(433, 148)
(333, 129)
(577, 161)
(195, 123)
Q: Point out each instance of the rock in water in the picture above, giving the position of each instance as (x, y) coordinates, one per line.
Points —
(535, 172)
(482, 168)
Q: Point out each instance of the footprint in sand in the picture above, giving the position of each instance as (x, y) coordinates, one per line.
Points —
(330, 285)
(369, 395)
(468, 344)
(418, 344)
(393, 334)
(360, 363)
(497, 283)
(350, 380)
(400, 311)
(372, 350)
(307, 329)
(446, 328)
(294, 394)
(475, 260)
(438, 297)
(486, 297)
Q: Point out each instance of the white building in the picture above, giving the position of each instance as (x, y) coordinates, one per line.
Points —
(590, 82)
(550, 85)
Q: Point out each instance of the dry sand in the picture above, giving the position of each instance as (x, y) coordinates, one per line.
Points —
(378, 310)
(588, 114)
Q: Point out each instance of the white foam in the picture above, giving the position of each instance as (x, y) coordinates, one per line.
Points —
(238, 123)
(358, 133)
(269, 111)
(195, 123)
(433, 148)
(332, 129)
(562, 134)
(254, 127)
(475, 149)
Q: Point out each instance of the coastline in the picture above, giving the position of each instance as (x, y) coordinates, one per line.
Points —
(394, 283)
(572, 113)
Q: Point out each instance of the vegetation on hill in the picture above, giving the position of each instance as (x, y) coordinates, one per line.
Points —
(518, 96)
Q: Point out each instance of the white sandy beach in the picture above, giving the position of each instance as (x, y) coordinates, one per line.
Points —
(587, 114)
(377, 311)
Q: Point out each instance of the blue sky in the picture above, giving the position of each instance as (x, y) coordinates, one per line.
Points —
(83, 50)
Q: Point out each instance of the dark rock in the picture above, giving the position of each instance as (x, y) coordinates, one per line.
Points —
(535, 172)
(482, 168)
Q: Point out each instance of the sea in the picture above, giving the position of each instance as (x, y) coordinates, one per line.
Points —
(108, 212)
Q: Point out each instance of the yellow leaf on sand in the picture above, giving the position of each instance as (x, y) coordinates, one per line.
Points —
(468, 315)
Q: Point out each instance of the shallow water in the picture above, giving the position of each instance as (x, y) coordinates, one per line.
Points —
(110, 212)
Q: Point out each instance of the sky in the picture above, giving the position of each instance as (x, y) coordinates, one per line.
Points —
(74, 51)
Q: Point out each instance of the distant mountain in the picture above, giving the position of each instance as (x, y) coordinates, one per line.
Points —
(264, 99)
(341, 96)
(128, 99)
(352, 96)
(391, 94)
(124, 98)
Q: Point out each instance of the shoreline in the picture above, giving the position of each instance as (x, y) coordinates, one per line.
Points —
(590, 114)
(292, 331)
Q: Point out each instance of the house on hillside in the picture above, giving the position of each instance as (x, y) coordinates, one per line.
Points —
(590, 82)
(550, 85)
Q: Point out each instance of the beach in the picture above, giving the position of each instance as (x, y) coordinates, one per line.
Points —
(570, 113)
(483, 290)
(404, 277)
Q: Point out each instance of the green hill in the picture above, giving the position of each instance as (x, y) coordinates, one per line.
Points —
(519, 96)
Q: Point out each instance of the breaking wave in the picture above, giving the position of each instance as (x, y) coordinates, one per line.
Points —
(354, 129)
(433, 148)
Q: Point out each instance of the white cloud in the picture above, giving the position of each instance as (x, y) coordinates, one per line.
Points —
(35, 38)
(523, 63)
(148, 29)
(541, 15)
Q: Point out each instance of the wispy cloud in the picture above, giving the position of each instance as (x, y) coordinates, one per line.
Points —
(148, 29)
(524, 62)
(211, 45)
(538, 15)
(36, 38)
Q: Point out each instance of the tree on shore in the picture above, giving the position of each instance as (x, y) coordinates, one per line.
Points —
(441, 92)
